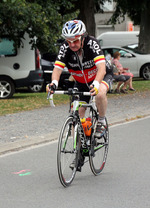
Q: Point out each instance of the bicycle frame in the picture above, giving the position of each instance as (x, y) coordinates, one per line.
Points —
(76, 104)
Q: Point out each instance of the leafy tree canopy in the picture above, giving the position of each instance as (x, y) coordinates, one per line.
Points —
(41, 19)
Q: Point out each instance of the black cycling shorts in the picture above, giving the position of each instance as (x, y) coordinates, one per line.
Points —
(86, 87)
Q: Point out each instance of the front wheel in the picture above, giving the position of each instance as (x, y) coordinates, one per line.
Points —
(99, 146)
(67, 152)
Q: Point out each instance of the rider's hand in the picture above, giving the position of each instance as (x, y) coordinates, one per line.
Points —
(50, 88)
(94, 88)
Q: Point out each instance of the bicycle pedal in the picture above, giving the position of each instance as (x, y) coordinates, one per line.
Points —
(79, 168)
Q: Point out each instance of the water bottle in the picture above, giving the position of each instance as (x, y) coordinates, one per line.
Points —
(86, 124)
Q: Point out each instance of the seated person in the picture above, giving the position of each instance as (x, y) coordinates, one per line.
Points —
(121, 70)
(117, 77)
(120, 78)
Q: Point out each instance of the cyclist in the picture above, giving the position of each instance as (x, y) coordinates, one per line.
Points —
(83, 57)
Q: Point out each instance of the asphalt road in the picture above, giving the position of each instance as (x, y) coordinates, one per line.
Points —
(29, 177)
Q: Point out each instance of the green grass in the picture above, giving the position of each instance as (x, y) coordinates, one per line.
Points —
(141, 85)
(28, 101)
(25, 101)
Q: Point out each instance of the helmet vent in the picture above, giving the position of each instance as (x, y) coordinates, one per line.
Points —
(81, 28)
(66, 30)
(75, 31)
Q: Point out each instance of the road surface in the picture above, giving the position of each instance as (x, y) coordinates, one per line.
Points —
(28, 178)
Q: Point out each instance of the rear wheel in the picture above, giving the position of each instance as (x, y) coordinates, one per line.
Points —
(67, 153)
(7, 88)
(97, 160)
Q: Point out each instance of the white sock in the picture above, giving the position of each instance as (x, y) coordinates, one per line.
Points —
(102, 120)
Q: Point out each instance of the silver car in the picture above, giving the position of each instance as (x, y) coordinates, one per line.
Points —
(138, 63)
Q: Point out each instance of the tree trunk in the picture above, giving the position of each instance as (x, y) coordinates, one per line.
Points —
(87, 15)
(144, 37)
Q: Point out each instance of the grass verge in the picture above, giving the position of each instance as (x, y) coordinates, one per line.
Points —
(24, 101)
(28, 101)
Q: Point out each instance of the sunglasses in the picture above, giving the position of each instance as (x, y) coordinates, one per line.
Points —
(73, 41)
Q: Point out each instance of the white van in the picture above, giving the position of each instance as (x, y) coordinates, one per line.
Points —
(121, 38)
(18, 67)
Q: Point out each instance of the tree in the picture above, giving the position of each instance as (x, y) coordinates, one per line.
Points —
(139, 12)
(40, 19)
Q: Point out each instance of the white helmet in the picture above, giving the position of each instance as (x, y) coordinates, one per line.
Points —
(73, 29)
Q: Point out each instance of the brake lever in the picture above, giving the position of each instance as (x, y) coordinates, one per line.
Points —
(50, 98)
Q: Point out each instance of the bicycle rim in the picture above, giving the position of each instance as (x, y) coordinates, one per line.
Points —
(66, 154)
(98, 159)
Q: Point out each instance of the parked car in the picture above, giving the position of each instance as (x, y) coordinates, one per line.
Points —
(19, 67)
(47, 63)
(138, 63)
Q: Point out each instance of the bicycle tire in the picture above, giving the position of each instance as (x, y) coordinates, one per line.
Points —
(67, 152)
(100, 146)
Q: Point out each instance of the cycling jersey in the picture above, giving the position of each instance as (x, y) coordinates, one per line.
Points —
(83, 71)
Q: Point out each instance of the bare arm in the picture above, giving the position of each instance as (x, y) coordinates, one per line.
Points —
(99, 77)
(101, 72)
(56, 74)
(54, 81)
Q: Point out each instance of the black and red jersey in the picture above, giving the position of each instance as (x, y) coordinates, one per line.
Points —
(92, 55)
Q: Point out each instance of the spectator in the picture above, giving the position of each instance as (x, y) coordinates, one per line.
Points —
(117, 77)
(120, 78)
(121, 70)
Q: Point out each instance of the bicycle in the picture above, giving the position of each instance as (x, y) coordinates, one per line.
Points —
(74, 145)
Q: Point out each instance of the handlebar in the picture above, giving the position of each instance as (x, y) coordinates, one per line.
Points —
(68, 92)
(61, 92)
